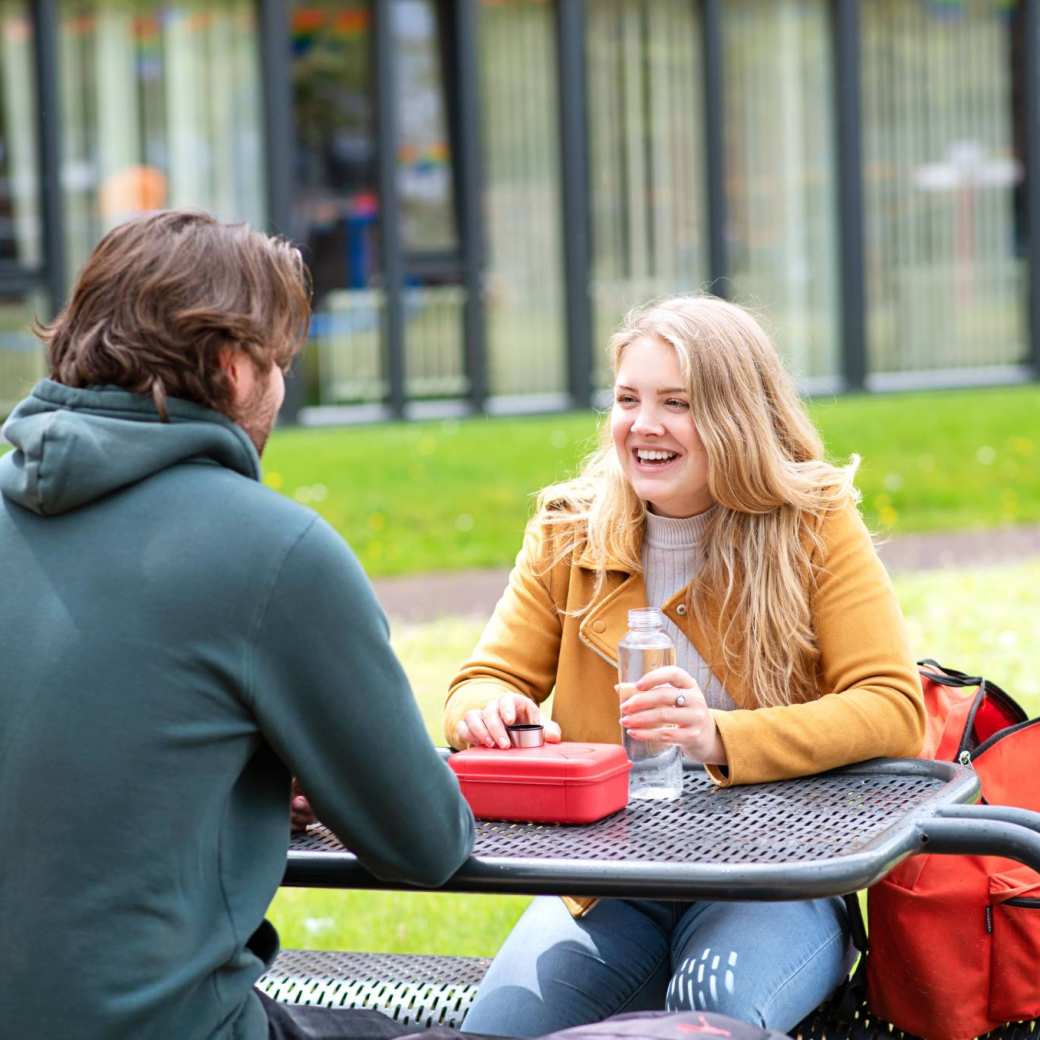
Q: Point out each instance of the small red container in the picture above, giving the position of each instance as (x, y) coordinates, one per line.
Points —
(569, 782)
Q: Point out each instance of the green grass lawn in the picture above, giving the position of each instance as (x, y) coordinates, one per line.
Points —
(451, 495)
(415, 497)
(982, 620)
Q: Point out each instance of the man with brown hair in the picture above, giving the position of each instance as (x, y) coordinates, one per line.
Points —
(176, 640)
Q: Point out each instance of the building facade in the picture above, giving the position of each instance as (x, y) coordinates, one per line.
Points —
(483, 187)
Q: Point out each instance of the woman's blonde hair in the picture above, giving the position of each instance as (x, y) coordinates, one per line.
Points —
(766, 474)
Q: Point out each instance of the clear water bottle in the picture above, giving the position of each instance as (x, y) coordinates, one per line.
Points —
(656, 767)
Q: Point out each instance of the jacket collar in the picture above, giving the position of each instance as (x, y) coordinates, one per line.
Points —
(584, 558)
(604, 625)
(606, 621)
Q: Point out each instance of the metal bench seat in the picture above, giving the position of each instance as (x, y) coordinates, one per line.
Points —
(430, 991)
(412, 989)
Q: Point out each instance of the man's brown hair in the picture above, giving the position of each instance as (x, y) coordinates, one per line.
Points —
(160, 297)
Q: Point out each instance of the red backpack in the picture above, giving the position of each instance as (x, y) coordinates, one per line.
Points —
(955, 940)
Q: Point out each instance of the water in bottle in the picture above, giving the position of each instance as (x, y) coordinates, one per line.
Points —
(656, 767)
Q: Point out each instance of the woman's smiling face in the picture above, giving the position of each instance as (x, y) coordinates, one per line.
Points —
(655, 437)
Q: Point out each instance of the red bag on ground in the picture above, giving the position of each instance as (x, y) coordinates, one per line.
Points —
(955, 940)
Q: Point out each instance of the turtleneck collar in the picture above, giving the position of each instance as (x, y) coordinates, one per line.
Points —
(687, 532)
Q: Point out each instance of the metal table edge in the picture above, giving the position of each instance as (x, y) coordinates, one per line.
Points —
(807, 879)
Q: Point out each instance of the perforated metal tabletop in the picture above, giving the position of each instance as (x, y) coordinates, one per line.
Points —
(822, 835)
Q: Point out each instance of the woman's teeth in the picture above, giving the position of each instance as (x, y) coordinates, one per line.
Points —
(645, 455)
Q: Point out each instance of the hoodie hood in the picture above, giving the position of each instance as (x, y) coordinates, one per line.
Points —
(74, 446)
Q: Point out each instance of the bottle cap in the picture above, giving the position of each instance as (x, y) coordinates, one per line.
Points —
(526, 734)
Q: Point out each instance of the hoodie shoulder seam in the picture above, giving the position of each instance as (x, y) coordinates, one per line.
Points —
(261, 610)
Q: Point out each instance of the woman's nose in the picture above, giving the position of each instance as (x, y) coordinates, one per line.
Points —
(646, 421)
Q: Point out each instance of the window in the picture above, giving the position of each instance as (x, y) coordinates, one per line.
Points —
(161, 107)
(646, 134)
(780, 176)
(942, 167)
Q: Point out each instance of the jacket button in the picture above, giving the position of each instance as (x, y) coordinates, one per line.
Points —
(681, 610)
(599, 626)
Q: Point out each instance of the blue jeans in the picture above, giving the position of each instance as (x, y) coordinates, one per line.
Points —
(765, 963)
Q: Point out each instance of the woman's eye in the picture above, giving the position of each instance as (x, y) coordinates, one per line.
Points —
(674, 402)
(624, 399)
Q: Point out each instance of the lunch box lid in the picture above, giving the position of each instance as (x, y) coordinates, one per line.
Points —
(568, 762)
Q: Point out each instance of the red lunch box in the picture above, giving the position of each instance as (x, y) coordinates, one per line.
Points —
(569, 782)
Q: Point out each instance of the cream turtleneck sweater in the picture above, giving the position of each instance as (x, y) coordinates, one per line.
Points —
(673, 552)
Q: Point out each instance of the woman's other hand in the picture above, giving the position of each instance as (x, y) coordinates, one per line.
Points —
(487, 727)
(667, 705)
(301, 815)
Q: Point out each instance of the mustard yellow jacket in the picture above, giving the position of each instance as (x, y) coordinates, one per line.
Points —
(869, 704)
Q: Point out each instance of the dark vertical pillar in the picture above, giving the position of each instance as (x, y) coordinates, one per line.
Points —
(1031, 72)
(574, 160)
(714, 144)
(468, 161)
(279, 133)
(48, 100)
(392, 261)
(848, 127)
(279, 151)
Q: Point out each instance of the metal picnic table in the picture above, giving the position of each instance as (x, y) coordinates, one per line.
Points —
(826, 835)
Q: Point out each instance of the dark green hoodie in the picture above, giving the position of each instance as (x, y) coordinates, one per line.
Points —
(175, 639)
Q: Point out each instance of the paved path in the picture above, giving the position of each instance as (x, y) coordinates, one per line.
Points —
(426, 597)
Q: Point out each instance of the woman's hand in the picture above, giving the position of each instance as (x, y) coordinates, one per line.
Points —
(487, 728)
(668, 706)
(301, 815)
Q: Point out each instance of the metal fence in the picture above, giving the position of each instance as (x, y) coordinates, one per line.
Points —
(864, 176)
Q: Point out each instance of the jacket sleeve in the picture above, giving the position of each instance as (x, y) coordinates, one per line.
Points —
(333, 701)
(520, 646)
(871, 702)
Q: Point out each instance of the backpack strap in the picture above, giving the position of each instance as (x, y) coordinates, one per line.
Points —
(857, 929)
(850, 996)
(948, 676)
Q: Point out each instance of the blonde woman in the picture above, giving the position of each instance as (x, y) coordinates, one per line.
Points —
(710, 499)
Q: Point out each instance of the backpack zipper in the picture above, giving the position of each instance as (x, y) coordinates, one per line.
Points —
(1000, 735)
(965, 760)
(968, 736)
(1008, 706)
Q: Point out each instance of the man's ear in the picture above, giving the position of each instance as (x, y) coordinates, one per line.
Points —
(231, 362)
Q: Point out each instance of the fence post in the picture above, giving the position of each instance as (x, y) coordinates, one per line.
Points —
(1031, 72)
(574, 155)
(471, 212)
(389, 206)
(279, 146)
(714, 144)
(848, 132)
(48, 100)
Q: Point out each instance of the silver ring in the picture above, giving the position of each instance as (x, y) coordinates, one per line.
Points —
(680, 700)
